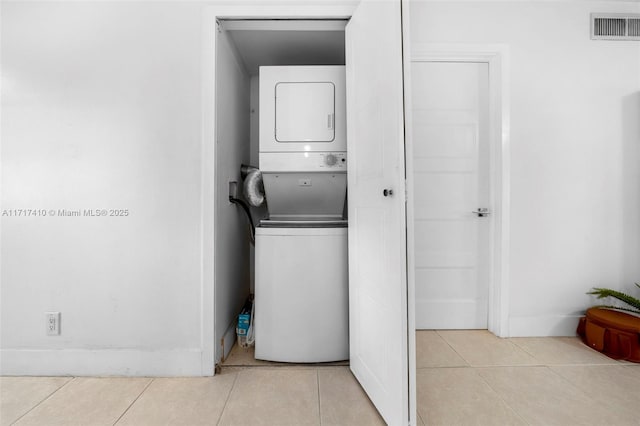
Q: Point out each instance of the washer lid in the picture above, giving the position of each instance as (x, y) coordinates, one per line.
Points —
(303, 223)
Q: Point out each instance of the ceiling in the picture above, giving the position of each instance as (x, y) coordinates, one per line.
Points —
(289, 46)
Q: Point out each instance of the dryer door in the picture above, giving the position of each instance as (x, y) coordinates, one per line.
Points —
(305, 112)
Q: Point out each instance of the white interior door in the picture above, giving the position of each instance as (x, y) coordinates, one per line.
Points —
(451, 180)
(379, 342)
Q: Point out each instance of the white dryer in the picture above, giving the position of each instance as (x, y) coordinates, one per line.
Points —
(302, 109)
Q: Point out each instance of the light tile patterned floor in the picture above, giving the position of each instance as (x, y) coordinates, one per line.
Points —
(463, 377)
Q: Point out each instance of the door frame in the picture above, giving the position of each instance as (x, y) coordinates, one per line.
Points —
(497, 58)
(211, 14)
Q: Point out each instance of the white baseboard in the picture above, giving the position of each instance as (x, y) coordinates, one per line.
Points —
(106, 362)
(542, 326)
(450, 315)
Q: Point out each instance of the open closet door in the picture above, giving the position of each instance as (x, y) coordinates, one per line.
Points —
(379, 343)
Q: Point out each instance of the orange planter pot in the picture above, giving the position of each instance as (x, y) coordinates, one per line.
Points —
(614, 333)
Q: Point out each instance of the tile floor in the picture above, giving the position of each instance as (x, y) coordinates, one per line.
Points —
(463, 377)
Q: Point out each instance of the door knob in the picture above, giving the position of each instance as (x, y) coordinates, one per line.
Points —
(482, 212)
(387, 192)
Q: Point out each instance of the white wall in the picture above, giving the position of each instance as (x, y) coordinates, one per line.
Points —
(255, 120)
(575, 181)
(232, 265)
(254, 142)
(101, 110)
(108, 105)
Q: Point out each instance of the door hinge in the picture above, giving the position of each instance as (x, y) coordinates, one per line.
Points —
(406, 192)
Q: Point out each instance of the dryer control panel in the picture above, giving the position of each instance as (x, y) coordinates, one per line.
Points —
(333, 160)
(303, 162)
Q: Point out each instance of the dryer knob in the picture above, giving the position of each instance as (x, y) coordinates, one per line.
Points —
(330, 160)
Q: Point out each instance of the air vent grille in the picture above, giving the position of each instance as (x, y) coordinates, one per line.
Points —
(633, 27)
(615, 27)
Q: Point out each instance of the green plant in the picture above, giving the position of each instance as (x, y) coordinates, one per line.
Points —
(601, 293)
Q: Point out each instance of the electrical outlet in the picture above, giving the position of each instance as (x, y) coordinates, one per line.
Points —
(52, 323)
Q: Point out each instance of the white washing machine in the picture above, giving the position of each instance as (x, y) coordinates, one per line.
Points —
(301, 290)
(302, 294)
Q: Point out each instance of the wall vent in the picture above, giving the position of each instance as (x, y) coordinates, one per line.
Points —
(614, 26)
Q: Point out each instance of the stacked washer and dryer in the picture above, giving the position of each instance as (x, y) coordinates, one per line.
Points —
(301, 289)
